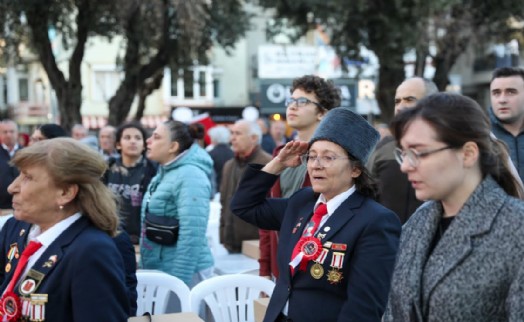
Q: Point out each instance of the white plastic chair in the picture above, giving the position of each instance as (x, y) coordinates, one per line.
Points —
(230, 297)
(154, 289)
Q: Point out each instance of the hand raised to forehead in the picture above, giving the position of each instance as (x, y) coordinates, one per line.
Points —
(290, 154)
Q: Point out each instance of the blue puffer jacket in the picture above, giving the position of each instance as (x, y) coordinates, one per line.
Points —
(182, 191)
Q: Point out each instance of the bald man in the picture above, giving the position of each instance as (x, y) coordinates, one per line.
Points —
(395, 191)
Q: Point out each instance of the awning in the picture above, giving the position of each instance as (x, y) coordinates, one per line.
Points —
(99, 121)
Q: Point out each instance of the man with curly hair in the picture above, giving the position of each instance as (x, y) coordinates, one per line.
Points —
(311, 98)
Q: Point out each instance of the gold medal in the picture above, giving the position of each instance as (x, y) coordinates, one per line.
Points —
(7, 267)
(317, 271)
(334, 276)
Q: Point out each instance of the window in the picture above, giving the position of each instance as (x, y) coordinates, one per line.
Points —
(23, 88)
(197, 83)
(105, 85)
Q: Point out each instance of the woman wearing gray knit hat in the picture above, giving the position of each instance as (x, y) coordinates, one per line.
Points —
(337, 245)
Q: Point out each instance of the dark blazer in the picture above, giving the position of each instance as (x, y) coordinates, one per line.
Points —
(368, 230)
(127, 250)
(220, 154)
(7, 175)
(476, 271)
(83, 273)
(395, 191)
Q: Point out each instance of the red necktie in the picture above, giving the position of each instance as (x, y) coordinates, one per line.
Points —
(320, 212)
(30, 249)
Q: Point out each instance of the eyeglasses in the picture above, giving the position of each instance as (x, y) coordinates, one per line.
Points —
(300, 102)
(413, 156)
(324, 161)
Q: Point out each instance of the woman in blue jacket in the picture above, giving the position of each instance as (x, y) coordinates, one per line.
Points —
(175, 208)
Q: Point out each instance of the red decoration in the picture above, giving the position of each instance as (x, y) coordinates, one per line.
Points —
(10, 307)
(310, 247)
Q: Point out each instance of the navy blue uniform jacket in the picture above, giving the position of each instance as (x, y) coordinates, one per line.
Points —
(370, 232)
(85, 281)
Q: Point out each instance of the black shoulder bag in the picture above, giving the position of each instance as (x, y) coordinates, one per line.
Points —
(161, 229)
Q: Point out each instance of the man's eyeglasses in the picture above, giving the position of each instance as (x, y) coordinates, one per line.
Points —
(300, 102)
(413, 156)
(324, 161)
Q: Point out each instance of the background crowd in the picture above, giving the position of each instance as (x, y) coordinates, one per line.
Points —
(420, 222)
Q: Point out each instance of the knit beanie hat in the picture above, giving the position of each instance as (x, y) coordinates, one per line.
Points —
(349, 130)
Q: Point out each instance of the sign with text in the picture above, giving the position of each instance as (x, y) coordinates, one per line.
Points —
(273, 94)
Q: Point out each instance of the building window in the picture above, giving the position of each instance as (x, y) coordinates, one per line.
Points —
(196, 82)
(188, 84)
(23, 88)
(216, 88)
(105, 85)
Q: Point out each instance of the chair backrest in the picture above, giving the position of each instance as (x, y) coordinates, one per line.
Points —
(230, 297)
(154, 289)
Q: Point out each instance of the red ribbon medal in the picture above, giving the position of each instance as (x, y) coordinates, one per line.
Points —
(10, 306)
(310, 248)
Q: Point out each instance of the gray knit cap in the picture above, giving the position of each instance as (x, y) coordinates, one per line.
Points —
(349, 130)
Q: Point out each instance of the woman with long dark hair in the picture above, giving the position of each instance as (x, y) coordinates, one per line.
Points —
(460, 255)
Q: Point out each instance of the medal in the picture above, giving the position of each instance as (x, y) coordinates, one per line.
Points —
(51, 261)
(297, 225)
(31, 282)
(13, 252)
(10, 307)
(334, 276)
(309, 249)
(340, 247)
(38, 302)
(317, 271)
(7, 267)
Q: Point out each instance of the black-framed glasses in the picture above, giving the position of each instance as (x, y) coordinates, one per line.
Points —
(413, 156)
(300, 102)
(324, 161)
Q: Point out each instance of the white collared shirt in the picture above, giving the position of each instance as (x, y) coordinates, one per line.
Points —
(11, 152)
(47, 237)
(333, 204)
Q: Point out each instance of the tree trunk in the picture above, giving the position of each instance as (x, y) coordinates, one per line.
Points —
(145, 90)
(68, 98)
(391, 74)
(420, 62)
(135, 73)
(68, 92)
(389, 79)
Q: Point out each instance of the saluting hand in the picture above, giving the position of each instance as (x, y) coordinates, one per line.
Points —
(289, 156)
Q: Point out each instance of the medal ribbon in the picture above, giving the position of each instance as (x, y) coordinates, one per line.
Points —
(31, 248)
(337, 260)
(305, 243)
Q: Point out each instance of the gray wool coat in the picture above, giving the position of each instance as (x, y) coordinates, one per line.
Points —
(474, 274)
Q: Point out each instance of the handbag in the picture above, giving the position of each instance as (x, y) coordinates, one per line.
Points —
(161, 229)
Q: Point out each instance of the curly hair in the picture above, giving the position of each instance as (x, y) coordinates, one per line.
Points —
(327, 93)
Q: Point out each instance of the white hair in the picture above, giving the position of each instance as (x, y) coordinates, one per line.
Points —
(219, 134)
(253, 129)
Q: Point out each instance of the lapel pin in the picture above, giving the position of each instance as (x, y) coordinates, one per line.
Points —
(51, 261)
